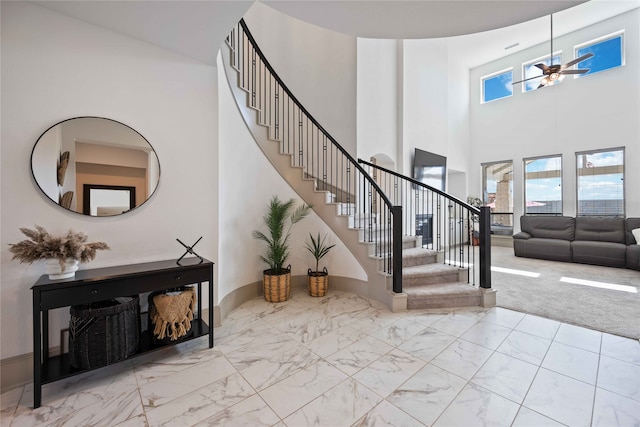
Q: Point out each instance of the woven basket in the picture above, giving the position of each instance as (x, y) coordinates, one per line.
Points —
(104, 332)
(318, 282)
(155, 340)
(277, 287)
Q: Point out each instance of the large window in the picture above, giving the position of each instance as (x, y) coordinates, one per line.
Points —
(497, 86)
(608, 53)
(600, 182)
(529, 70)
(498, 195)
(543, 185)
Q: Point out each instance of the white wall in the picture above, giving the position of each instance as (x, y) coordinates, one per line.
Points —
(593, 112)
(412, 94)
(425, 99)
(247, 183)
(53, 68)
(378, 98)
(317, 65)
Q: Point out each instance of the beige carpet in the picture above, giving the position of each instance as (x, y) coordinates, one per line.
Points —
(614, 311)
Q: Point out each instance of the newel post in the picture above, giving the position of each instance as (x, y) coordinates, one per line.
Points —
(485, 247)
(396, 213)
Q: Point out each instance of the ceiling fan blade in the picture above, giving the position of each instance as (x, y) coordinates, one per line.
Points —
(542, 66)
(541, 85)
(530, 78)
(575, 61)
(580, 71)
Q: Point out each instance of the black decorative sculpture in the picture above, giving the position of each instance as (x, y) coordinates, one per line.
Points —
(189, 250)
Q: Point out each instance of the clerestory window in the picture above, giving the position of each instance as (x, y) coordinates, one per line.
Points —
(529, 70)
(497, 86)
(608, 53)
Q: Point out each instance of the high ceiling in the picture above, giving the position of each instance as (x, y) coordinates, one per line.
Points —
(417, 19)
(482, 29)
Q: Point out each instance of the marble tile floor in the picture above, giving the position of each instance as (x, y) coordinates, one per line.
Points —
(342, 360)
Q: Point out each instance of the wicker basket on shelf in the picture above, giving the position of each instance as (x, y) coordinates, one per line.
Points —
(104, 332)
(170, 314)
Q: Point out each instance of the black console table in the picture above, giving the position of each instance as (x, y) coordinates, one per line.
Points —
(102, 284)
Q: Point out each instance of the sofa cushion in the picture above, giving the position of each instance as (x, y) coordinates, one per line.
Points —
(599, 253)
(551, 249)
(632, 224)
(633, 257)
(600, 229)
(548, 227)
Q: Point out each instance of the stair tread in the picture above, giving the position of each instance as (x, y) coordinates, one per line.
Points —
(442, 289)
(418, 252)
(429, 269)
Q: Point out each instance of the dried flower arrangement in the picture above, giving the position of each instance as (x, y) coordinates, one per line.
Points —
(43, 245)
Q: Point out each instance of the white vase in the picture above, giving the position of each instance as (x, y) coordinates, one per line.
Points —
(55, 271)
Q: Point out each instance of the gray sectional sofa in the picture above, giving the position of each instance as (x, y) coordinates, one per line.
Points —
(604, 241)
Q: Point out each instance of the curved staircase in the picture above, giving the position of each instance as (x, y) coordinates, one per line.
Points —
(402, 273)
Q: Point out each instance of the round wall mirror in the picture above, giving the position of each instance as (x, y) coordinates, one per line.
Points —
(95, 166)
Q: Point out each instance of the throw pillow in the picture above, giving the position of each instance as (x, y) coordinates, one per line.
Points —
(636, 235)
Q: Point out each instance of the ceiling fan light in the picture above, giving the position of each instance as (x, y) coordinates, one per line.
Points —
(561, 78)
(545, 81)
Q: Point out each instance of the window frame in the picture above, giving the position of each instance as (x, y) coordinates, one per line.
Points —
(498, 228)
(490, 76)
(524, 190)
(624, 186)
(598, 40)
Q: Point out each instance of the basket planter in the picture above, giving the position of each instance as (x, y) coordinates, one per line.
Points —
(277, 284)
(104, 332)
(318, 282)
(170, 315)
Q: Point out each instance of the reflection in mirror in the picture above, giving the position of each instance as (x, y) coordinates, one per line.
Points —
(107, 200)
(99, 154)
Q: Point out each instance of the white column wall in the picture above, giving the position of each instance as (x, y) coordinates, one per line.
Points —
(425, 107)
(378, 98)
(54, 68)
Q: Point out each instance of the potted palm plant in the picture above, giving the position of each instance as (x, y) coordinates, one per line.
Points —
(277, 278)
(318, 280)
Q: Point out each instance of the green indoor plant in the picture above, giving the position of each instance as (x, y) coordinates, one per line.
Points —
(277, 278)
(318, 280)
(474, 235)
(66, 250)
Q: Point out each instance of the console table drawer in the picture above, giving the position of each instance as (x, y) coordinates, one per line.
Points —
(121, 287)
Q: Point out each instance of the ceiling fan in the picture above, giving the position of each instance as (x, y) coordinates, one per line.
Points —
(551, 74)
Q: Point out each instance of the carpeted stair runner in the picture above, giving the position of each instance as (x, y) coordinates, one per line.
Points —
(430, 284)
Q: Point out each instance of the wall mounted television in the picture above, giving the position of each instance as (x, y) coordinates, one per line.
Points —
(430, 169)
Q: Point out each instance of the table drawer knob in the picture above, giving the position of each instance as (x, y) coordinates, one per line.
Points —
(178, 278)
(94, 292)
